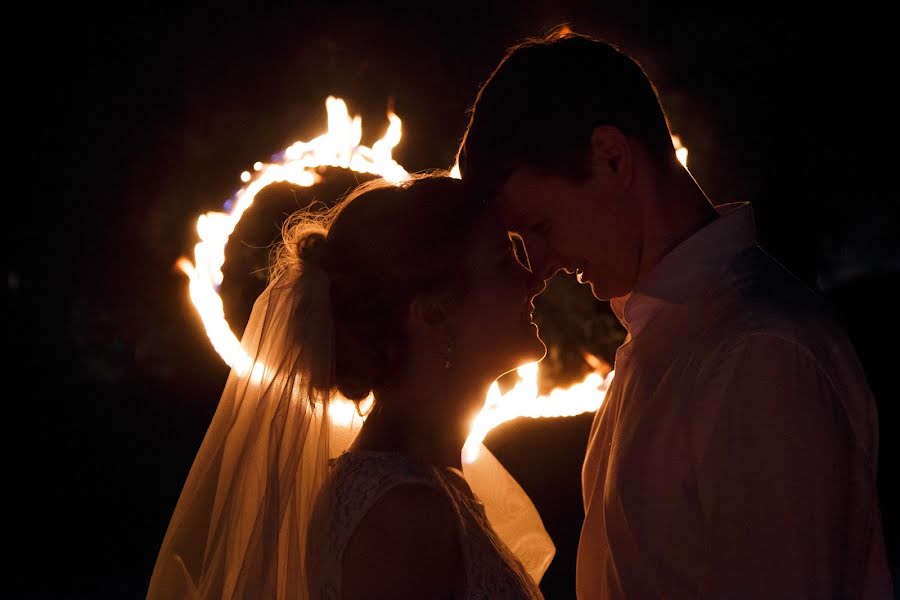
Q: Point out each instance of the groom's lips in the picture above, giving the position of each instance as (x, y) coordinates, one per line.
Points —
(579, 270)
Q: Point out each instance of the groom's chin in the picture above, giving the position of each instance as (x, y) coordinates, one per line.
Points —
(605, 293)
(600, 294)
(598, 291)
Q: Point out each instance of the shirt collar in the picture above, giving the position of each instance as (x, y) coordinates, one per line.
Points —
(688, 266)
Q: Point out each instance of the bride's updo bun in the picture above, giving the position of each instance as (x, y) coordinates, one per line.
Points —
(380, 247)
(311, 248)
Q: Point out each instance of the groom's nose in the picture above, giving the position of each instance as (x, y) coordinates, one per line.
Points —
(547, 269)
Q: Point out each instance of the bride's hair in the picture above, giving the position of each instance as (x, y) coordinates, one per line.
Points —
(380, 247)
(331, 319)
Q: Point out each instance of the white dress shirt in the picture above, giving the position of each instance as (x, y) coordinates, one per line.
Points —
(735, 453)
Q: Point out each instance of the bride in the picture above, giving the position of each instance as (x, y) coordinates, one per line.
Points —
(411, 298)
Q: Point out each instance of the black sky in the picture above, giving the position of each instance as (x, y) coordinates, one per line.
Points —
(127, 122)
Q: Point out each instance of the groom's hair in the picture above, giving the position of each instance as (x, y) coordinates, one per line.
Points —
(541, 104)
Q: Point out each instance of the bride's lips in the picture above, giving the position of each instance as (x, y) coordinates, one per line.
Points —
(527, 314)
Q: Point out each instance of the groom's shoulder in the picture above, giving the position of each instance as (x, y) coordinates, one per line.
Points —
(767, 299)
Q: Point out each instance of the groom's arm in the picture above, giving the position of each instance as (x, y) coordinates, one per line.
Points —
(780, 476)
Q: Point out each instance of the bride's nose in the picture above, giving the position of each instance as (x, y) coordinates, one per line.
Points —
(544, 263)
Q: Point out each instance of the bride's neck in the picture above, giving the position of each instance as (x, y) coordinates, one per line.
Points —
(430, 426)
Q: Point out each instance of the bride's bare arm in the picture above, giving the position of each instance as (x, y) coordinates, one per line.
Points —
(405, 547)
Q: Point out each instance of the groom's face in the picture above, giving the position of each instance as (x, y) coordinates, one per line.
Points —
(590, 227)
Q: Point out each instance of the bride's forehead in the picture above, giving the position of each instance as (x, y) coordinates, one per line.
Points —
(489, 233)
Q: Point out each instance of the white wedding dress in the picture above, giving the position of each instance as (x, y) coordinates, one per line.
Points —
(358, 479)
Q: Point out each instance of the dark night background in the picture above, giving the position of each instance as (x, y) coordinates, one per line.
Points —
(128, 125)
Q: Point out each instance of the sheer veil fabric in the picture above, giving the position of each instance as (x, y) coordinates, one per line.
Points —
(239, 527)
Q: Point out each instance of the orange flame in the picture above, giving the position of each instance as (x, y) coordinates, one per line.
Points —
(340, 147)
(523, 400)
(680, 151)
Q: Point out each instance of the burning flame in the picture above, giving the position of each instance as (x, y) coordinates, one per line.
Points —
(340, 147)
(523, 401)
(680, 151)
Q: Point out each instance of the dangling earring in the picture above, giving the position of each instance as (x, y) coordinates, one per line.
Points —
(448, 355)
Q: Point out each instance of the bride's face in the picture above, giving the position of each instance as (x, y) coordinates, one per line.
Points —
(494, 329)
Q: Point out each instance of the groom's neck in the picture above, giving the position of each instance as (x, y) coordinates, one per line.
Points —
(673, 208)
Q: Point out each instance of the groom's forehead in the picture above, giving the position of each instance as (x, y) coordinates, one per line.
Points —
(507, 209)
(508, 196)
(514, 200)
(522, 184)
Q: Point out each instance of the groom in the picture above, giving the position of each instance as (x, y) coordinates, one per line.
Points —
(735, 453)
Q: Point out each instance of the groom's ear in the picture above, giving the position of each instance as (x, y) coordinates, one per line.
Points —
(611, 150)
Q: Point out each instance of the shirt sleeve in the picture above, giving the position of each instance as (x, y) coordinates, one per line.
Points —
(788, 503)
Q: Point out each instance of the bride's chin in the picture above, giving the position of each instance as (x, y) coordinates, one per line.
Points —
(540, 351)
(538, 346)
(525, 350)
(534, 351)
